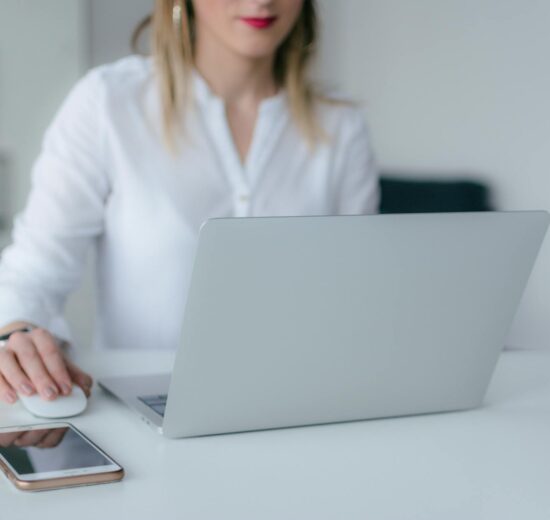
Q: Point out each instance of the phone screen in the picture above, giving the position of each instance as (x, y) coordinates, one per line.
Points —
(49, 450)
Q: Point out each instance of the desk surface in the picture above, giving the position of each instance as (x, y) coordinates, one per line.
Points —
(490, 463)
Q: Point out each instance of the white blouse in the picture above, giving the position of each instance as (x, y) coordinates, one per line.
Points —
(105, 179)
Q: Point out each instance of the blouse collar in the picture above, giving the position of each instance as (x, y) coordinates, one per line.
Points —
(205, 97)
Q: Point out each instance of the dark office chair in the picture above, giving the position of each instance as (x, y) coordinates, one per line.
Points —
(400, 194)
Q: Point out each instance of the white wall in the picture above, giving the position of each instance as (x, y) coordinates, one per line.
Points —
(112, 23)
(44, 48)
(458, 86)
(41, 56)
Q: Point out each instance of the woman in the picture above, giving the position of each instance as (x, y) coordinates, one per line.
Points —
(221, 121)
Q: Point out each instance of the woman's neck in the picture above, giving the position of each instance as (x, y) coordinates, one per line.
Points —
(242, 83)
(238, 80)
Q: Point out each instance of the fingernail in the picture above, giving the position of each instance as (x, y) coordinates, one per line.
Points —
(50, 392)
(10, 397)
(26, 389)
(65, 388)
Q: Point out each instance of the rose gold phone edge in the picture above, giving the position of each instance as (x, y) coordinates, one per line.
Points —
(63, 482)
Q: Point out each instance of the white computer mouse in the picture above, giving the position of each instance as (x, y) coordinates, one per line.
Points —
(63, 406)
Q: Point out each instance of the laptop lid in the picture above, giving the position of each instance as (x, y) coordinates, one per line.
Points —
(305, 320)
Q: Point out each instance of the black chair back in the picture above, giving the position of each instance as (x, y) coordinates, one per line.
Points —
(424, 195)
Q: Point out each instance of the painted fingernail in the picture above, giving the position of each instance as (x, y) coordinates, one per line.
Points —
(26, 389)
(10, 397)
(65, 388)
(50, 392)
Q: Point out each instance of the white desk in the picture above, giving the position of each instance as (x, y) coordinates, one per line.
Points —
(490, 463)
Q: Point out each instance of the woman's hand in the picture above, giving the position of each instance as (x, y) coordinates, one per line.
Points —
(33, 362)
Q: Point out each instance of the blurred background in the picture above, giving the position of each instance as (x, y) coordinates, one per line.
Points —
(452, 90)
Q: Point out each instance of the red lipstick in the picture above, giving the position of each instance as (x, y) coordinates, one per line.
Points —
(259, 23)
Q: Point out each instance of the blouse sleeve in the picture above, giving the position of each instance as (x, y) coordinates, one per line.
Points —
(357, 184)
(63, 214)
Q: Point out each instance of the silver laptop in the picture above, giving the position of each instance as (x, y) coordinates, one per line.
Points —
(306, 320)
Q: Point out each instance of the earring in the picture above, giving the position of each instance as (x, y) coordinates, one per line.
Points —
(177, 14)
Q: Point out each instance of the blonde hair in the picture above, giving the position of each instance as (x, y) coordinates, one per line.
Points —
(173, 53)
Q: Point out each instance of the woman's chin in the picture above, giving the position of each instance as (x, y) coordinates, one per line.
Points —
(259, 45)
(256, 52)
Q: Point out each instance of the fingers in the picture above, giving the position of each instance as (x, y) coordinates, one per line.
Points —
(30, 361)
(53, 359)
(34, 362)
(6, 392)
(13, 374)
(82, 379)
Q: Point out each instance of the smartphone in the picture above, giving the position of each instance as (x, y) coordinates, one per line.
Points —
(52, 456)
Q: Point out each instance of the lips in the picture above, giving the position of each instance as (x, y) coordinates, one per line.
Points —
(259, 23)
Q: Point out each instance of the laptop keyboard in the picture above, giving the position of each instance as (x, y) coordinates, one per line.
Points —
(155, 402)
